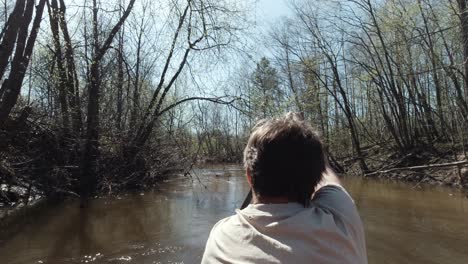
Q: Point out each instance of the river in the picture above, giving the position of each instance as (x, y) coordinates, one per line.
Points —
(404, 223)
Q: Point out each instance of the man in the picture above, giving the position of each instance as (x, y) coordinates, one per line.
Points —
(285, 165)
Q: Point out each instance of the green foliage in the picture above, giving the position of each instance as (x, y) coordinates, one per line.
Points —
(265, 96)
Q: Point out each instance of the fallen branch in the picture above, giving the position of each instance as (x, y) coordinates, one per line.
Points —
(441, 165)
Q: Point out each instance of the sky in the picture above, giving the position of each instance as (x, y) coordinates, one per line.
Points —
(267, 13)
(273, 8)
(270, 10)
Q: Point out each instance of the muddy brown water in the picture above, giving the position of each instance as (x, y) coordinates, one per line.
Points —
(403, 223)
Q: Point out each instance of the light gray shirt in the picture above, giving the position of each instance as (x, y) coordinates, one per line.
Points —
(329, 231)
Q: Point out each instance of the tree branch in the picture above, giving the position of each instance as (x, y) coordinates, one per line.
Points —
(217, 100)
(114, 31)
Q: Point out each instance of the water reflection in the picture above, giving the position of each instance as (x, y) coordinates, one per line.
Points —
(170, 225)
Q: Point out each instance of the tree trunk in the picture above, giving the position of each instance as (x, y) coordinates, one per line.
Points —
(11, 87)
(72, 76)
(9, 38)
(61, 83)
(136, 90)
(90, 155)
(464, 30)
(120, 83)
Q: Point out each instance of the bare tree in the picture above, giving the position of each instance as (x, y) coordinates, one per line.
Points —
(91, 148)
(19, 38)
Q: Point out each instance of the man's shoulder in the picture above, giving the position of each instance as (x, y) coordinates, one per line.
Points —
(226, 224)
(336, 198)
(336, 201)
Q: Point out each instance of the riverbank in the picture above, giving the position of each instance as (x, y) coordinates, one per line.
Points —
(421, 166)
(36, 162)
(454, 174)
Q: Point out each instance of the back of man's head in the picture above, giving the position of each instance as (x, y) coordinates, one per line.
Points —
(285, 158)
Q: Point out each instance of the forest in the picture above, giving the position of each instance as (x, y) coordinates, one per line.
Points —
(99, 97)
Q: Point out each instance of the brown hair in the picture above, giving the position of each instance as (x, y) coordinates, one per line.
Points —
(285, 158)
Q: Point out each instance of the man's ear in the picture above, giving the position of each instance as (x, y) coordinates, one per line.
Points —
(249, 176)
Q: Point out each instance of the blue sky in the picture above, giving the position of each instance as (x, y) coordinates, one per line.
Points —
(269, 10)
(267, 13)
